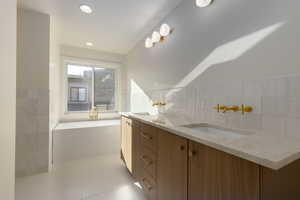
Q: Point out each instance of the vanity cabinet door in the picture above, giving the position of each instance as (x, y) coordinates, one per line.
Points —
(281, 184)
(172, 167)
(215, 175)
(136, 151)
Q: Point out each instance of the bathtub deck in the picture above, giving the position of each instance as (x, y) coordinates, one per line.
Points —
(87, 124)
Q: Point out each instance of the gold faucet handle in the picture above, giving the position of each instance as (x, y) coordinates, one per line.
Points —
(221, 107)
(246, 109)
(217, 107)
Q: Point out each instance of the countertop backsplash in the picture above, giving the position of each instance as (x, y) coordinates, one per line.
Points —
(275, 102)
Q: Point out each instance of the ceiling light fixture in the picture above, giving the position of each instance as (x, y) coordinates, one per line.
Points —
(90, 44)
(156, 37)
(203, 3)
(165, 30)
(148, 43)
(86, 8)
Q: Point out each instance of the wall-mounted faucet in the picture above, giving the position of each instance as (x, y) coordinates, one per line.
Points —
(244, 109)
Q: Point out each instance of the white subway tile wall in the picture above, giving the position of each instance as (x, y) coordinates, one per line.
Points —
(276, 103)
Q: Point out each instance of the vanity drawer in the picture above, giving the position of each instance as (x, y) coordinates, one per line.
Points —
(148, 137)
(148, 162)
(149, 186)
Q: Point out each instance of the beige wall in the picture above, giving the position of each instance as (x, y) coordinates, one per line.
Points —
(8, 98)
(32, 130)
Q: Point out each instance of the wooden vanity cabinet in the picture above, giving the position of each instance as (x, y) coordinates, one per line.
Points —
(215, 175)
(282, 184)
(172, 167)
(136, 150)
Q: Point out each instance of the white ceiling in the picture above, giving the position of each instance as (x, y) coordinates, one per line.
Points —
(114, 26)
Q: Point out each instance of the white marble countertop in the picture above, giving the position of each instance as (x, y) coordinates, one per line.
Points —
(270, 151)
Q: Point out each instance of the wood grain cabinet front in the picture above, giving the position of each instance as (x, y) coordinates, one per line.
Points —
(172, 168)
(215, 175)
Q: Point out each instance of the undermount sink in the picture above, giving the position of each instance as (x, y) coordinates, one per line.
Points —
(218, 131)
(142, 113)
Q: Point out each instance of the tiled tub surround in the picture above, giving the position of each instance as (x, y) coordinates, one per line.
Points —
(274, 120)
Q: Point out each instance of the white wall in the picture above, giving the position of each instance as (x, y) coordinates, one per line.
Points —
(8, 98)
(93, 57)
(54, 82)
(226, 53)
(32, 138)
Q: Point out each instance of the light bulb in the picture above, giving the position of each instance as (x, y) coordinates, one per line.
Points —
(148, 43)
(86, 9)
(156, 37)
(90, 44)
(203, 3)
(165, 30)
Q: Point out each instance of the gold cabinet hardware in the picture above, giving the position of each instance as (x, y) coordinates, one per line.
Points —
(246, 109)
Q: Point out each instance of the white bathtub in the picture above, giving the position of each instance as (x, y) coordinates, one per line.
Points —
(80, 140)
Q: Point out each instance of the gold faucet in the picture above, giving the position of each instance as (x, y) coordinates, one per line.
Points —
(232, 108)
(244, 109)
(94, 114)
(160, 104)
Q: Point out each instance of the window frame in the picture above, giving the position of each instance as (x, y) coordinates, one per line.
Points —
(93, 64)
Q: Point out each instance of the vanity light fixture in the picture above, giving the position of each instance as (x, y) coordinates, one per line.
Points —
(203, 3)
(165, 30)
(148, 43)
(86, 8)
(156, 37)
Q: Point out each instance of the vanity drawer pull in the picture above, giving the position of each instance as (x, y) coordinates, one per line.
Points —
(192, 153)
(147, 184)
(146, 160)
(146, 136)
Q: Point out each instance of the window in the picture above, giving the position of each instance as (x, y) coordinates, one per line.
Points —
(90, 86)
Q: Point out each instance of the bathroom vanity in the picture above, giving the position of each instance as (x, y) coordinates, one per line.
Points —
(174, 162)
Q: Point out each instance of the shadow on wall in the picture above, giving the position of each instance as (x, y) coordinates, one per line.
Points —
(210, 31)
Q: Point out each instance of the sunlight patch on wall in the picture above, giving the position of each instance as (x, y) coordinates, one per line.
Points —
(229, 52)
(139, 100)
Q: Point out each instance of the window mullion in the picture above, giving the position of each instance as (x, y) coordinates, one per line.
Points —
(93, 88)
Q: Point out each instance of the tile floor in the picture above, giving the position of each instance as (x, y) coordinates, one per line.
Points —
(103, 178)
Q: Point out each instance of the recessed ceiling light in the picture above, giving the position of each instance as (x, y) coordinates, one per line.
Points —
(90, 44)
(86, 8)
(203, 3)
